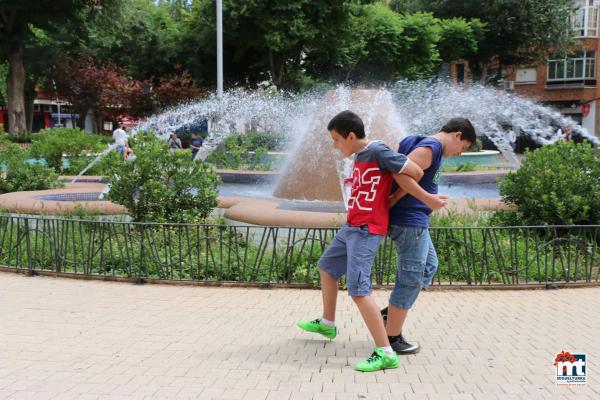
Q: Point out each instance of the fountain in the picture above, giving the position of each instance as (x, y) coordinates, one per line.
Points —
(389, 114)
(312, 177)
(314, 153)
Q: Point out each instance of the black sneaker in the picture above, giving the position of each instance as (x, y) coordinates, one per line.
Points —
(401, 346)
(384, 313)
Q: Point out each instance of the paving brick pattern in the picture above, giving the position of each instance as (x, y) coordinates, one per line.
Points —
(72, 339)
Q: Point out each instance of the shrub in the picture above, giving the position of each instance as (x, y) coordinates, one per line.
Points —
(52, 144)
(477, 146)
(256, 140)
(22, 138)
(16, 174)
(556, 185)
(247, 151)
(159, 186)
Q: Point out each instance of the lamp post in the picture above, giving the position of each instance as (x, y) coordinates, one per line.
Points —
(220, 48)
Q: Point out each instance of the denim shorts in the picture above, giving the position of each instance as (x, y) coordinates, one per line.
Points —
(417, 264)
(352, 252)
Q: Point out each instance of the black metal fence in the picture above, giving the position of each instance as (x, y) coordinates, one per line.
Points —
(280, 255)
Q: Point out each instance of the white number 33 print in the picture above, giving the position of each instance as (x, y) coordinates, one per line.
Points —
(359, 197)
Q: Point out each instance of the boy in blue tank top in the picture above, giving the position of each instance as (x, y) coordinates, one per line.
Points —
(409, 224)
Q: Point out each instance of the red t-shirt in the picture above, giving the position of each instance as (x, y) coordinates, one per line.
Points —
(371, 183)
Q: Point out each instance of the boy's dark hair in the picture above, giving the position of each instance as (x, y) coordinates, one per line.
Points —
(346, 122)
(462, 125)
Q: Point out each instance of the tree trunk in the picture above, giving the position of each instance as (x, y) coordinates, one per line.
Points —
(15, 91)
(276, 76)
(99, 119)
(29, 98)
(82, 111)
(483, 76)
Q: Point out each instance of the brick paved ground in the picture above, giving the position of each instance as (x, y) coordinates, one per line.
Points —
(71, 339)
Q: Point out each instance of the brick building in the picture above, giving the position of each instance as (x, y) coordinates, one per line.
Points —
(569, 84)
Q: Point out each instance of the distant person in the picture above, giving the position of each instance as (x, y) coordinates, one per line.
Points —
(129, 154)
(511, 137)
(121, 139)
(567, 134)
(195, 144)
(174, 143)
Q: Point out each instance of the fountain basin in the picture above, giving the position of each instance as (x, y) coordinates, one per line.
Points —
(275, 213)
(484, 157)
(73, 199)
(78, 197)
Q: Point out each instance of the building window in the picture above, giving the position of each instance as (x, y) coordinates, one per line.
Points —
(526, 75)
(107, 125)
(579, 68)
(585, 19)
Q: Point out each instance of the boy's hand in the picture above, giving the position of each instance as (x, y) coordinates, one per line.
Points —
(395, 197)
(437, 201)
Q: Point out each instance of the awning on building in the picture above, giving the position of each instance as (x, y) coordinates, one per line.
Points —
(65, 116)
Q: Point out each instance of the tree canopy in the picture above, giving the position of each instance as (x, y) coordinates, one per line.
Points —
(169, 46)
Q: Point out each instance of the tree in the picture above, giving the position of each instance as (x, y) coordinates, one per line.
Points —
(105, 89)
(264, 39)
(516, 32)
(460, 38)
(143, 36)
(382, 45)
(176, 88)
(3, 75)
(17, 18)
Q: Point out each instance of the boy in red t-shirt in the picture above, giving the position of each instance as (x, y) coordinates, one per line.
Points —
(354, 246)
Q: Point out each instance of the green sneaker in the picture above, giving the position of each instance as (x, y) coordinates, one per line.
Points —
(379, 360)
(330, 332)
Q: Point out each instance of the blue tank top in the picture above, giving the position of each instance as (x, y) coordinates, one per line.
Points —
(409, 211)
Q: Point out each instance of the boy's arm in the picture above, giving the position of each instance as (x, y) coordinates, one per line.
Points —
(433, 201)
(413, 170)
(422, 157)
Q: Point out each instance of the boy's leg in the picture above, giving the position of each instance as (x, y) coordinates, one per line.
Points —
(332, 265)
(413, 246)
(362, 248)
(369, 311)
(329, 291)
(395, 320)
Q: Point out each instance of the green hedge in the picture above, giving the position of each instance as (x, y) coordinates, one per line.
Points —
(159, 186)
(17, 174)
(52, 144)
(555, 185)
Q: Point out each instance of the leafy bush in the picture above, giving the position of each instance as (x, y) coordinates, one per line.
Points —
(159, 186)
(255, 140)
(77, 164)
(52, 144)
(556, 185)
(247, 151)
(477, 146)
(22, 138)
(16, 174)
